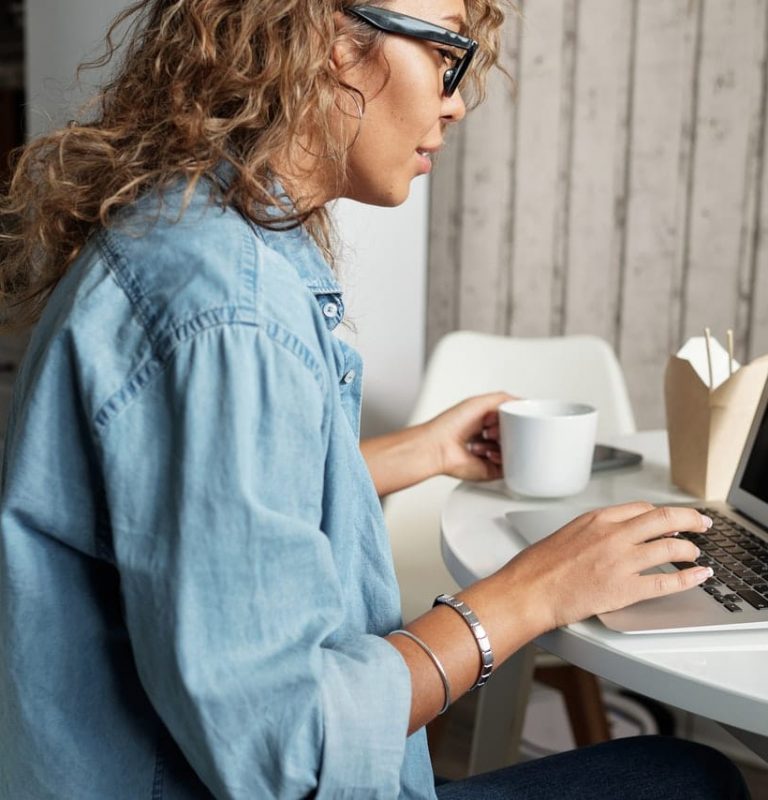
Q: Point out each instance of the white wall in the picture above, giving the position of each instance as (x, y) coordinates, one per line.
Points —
(59, 35)
(384, 275)
(385, 258)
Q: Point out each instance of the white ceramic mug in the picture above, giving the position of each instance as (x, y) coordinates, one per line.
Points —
(547, 446)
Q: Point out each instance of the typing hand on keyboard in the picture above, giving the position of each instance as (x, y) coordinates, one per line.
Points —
(739, 559)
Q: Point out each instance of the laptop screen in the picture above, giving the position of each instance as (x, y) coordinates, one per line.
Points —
(749, 490)
(755, 477)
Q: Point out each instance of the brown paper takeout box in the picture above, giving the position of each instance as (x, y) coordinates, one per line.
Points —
(707, 427)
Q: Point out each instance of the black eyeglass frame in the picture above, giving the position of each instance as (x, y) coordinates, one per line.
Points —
(401, 24)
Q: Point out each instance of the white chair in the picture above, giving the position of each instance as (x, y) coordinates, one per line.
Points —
(581, 368)
(464, 363)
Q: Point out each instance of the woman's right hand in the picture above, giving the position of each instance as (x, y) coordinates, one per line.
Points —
(596, 562)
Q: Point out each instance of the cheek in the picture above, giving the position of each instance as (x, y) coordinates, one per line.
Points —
(399, 118)
(411, 97)
(381, 168)
(416, 99)
(406, 119)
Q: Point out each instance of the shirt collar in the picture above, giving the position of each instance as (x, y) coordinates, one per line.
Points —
(301, 251)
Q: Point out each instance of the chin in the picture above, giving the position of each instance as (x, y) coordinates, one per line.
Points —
(394, 200)
(389, 197)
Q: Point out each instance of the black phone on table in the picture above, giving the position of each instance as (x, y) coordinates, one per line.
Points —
(606, 457)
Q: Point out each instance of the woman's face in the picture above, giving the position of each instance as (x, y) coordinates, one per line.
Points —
(404, 121)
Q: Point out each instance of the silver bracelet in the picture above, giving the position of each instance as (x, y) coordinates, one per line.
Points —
(436, 661)
(478, 631)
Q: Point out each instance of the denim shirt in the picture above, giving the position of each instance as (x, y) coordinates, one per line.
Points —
(195, 576)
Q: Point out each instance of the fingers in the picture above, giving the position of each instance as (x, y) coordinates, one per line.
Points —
(485, 407)
(491, 419)
(663, 583)
(486, 466)
(490, 471)
(489, 402)
(663, 551)
(664, 521)
(620, 513)
(489, 450)
(473, 416)
(490, 432)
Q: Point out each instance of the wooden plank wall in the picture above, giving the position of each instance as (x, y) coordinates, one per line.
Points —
(619, 188)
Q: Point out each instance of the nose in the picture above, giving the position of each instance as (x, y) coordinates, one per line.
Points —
(454, 109)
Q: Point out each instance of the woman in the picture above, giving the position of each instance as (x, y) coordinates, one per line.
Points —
(196, 594)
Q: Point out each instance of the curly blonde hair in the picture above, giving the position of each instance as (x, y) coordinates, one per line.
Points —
(200, 83)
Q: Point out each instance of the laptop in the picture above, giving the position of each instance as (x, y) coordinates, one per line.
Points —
(736, 547)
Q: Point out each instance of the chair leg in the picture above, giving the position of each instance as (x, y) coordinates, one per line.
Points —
(583, 701)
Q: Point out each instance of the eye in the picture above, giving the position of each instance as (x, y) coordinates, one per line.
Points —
(449, 58)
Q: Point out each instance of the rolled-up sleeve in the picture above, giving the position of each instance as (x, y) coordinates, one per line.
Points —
(214, 472)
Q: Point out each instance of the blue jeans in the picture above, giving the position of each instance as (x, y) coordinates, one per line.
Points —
(637, 768)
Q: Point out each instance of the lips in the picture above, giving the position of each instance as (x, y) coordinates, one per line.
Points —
(425, 161)
(428, 152)
(425, 155)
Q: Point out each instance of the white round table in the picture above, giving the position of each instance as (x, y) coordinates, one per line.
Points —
(721, 675)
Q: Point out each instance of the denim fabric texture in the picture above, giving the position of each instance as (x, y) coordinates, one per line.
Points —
(194, 570)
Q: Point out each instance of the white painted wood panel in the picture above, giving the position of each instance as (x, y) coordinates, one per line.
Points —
(485, 210)
(661, 76)
(692, 39)
(756, 288)
(597, 185)
(729, 88)
(636, 185)
(536, 175)
(561, 235)
(758, 330)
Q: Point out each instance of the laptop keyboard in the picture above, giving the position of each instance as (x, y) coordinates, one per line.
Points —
(739, 560)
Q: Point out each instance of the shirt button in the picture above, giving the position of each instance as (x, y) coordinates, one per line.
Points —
(330, 310)
(349, 377)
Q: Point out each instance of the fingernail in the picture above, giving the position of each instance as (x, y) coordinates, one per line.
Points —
(698, 553)
(707, 521)
(703, 574)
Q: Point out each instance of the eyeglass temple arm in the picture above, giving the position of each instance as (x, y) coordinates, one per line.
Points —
(410, 26)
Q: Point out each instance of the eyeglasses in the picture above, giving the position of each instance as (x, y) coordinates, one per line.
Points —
(403, 25)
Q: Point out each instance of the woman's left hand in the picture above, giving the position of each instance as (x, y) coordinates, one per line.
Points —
(462, 442)
(466, 438)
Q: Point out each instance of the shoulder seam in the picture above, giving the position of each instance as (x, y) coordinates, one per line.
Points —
(160, 342)
(227, 317)
(128, 285)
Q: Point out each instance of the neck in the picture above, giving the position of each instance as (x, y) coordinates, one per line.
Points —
(307, 178)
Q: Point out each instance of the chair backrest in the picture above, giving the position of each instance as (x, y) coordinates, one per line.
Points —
(580, 368)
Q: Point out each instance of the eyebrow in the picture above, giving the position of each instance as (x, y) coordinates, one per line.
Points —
(458, 20)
